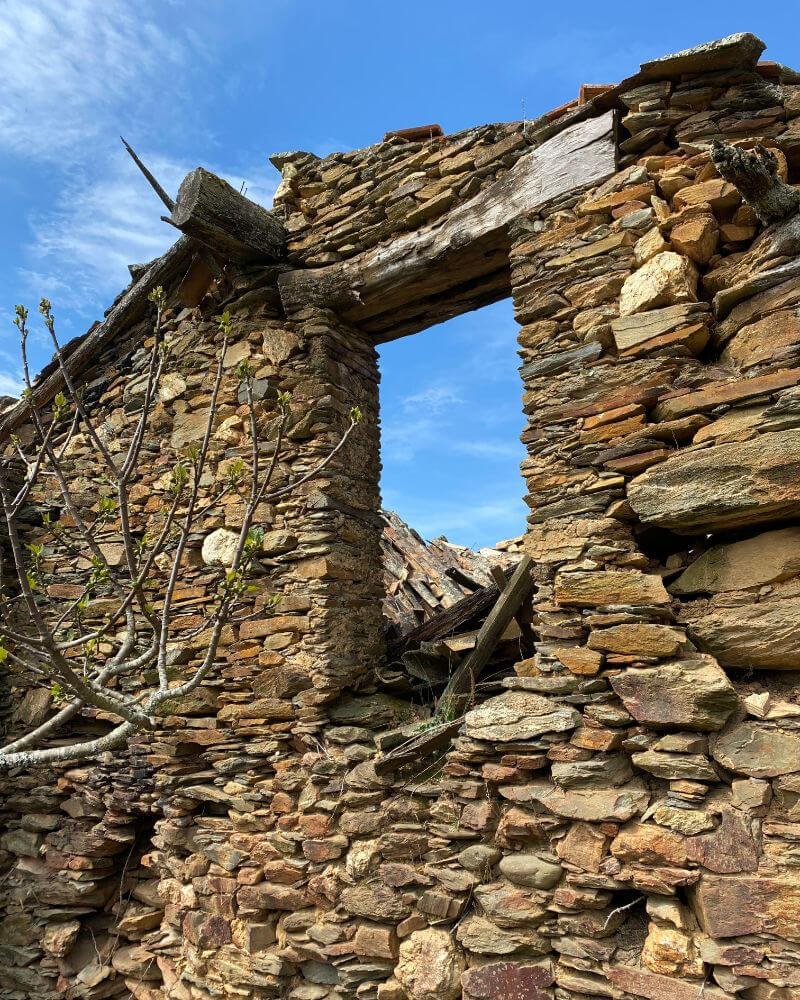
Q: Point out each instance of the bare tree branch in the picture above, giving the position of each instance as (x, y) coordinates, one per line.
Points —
(93, 641)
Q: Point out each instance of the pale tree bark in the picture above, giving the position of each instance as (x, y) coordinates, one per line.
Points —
(754, 173)
(46, 640)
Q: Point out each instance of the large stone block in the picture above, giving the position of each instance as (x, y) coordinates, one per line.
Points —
(641, 983)
(684, 694)
(751, 748)
(507, 981)
(765, 558)
(430, 966)
(593, 805)
(765, 635)
(666, 279)
(724, 486)
(586, 590)
(736, 905)
(518, 715)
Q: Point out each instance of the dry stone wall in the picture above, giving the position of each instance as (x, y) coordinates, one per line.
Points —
(617, 816)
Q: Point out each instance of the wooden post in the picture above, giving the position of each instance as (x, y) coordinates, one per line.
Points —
(459, 688)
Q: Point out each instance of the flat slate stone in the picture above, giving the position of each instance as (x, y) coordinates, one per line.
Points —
(739, 51)
(594, 805)
(763, 635)
(724, 486)
(733, 906)
(682, 694)
(764, 558)
(518, 715)
(752, 749)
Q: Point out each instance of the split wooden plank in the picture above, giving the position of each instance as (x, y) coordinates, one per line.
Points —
(459, 688)
(448, 622)
(414, 744)
(460, 262)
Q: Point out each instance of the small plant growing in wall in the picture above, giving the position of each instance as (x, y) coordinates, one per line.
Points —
(106, 644)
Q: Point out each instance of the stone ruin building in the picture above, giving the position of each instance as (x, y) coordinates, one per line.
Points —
(616, 812)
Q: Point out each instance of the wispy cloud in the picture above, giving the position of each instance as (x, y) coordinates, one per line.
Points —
(468, 523)
(69, 68)
(10, 385)
(433, 399)
(501, 449)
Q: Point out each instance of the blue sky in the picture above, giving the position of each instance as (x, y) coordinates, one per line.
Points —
(224, 84)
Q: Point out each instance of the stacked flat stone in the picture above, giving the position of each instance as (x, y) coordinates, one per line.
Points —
(618, 814)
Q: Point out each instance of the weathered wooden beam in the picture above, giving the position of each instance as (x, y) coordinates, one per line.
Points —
(82, 352)
(456, 695)
(237, 229)
(204, 254)
(449, 621)
(414, 744)
(459, 263)
(523, 613)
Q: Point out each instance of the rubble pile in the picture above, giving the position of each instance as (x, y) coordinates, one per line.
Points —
(421, 578)
(611, 810)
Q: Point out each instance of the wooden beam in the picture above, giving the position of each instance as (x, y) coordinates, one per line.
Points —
(82, 352)
(447, 622)
(237, 229)
(523, 613)
(460, 262)
(413, 744)
(457, 694)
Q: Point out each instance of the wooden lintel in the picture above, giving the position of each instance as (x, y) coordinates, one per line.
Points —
(409, 283)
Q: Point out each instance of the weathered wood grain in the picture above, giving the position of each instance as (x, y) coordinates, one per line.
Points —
(217, 215)
(457, 693)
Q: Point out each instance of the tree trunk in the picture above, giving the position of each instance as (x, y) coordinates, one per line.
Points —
(237, 229)
(754, 173)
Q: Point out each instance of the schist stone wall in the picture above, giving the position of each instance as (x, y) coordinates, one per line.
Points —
(622, 820)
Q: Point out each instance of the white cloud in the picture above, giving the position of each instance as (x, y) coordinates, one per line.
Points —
(10, 384)
(68, 68)
(473, 524)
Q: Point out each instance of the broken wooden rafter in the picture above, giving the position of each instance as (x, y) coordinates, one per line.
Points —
(461, 262)
(203, 268)
(456, 696)
(449, 621)
(159, 190)
(217, 215)
(524, 612)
